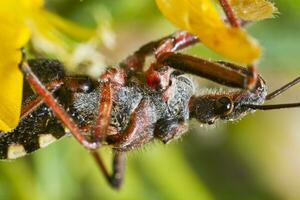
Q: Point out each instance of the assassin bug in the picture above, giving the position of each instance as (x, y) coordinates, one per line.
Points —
(127, 107)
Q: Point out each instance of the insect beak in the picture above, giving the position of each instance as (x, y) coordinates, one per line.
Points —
(272, 106)
(251, 106)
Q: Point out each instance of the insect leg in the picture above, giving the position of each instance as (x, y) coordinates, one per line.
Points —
(56, 107)
(229, 13)
(174, 42)
(118, 168)
(138, 131)
(156, 76)
(38, 100)
(224, 73)
(109, 81)
(177, 41)
(104, 110)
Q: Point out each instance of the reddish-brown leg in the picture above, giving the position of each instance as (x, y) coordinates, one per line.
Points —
(38, 100)
(177, 41)
(131, 138)
(135, 134)
(110, 81)
(252, 78)
(234, 22)
(183, 39)
(174, 42)
(115, 179)
(104, 110)
(224, 73)
(229, 13)
(56, 107)
(171, 43)
(158, 76)
(46, 97)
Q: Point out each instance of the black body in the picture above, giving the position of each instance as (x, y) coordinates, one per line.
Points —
(82, 106)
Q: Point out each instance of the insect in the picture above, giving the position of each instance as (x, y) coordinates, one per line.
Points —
(128, 108)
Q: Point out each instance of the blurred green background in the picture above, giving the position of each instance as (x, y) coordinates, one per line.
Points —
(255, 158)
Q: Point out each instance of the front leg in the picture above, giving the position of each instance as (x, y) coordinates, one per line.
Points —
(171, 43)
(220, 72)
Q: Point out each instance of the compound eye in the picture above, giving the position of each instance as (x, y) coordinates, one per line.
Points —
(224, 106)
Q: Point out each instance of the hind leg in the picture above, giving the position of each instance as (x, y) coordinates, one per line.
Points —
(115, 179)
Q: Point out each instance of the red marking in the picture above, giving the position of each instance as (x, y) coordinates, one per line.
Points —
(152, 77)
(114, 75)
(158, 77)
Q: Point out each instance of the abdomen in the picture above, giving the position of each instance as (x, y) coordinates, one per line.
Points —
(37, 130)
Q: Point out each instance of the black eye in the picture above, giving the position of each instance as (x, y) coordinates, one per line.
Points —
(224, 106)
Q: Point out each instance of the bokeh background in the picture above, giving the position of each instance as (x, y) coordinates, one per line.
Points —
(257, 157)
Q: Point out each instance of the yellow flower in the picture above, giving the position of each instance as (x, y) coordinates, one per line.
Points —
(18, 20)
(201, 18)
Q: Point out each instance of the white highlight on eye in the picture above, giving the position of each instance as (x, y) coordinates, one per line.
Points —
(15, 151)
(46, 139)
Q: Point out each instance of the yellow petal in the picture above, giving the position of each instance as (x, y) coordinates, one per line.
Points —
(13, 35)
(20, 8)
(253, 10)
(201, 18)
(11, 84)
(14, 16)
(11, 96)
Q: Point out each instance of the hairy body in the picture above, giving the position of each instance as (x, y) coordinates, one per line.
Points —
(41, 127)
